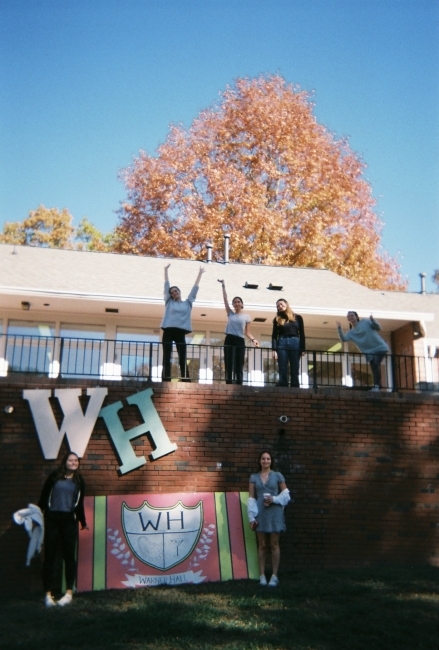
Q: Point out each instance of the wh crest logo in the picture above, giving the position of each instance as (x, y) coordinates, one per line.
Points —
(162, 537)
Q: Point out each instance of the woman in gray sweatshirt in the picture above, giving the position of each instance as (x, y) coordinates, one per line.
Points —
(364, 333)
(176, 324)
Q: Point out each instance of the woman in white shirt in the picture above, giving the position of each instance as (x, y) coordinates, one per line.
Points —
(238, 326)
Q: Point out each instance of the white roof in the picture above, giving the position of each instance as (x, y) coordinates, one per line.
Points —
(86, 281)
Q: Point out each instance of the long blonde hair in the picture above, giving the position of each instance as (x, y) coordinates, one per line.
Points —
(284, 316)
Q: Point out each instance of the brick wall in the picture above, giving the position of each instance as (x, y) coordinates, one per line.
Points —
(363, 468)
(403, 340)
(408, 371)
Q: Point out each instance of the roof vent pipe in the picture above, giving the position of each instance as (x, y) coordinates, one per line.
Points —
(209, 253)
(226, 249)
(422, 276)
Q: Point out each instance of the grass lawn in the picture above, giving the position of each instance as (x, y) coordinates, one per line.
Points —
(370, 609)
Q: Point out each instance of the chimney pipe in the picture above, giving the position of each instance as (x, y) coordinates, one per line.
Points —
(422, 276)
(226, 249)
(209, 253)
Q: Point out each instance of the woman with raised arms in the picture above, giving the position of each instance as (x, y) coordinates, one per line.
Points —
(238, 327)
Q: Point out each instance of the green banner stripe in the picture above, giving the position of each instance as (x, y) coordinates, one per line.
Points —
(251, 549)
(100, 540)
(223, 536)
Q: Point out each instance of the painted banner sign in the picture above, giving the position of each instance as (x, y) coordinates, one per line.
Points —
(145, 540)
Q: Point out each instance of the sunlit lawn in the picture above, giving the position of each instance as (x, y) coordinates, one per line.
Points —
(373, 609)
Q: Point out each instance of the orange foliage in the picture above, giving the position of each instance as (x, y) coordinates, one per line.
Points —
(48, 227)
(260, 167)
(52, 228)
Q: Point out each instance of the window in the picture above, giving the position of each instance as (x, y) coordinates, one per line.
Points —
(77, 331)
(84, 350)
(30, 328)
(29, 346)
(324, 344)
(137, 352)
(216, 339)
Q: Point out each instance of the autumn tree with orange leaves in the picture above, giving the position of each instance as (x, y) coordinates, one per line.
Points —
(257, 166)
(43, 227)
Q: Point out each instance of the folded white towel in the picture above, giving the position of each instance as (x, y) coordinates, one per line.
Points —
(33, 521)
(283, 498)
(252, 509)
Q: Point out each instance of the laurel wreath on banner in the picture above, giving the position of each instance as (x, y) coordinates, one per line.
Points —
(204, 545)
(121, 551)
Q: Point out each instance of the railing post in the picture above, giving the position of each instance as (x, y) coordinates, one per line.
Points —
(55, 366)
(393, 367)
(150, 361)
(61, 352)
(3, 361)
(314, 371)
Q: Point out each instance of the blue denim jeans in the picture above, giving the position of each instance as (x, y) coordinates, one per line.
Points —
(288, 353)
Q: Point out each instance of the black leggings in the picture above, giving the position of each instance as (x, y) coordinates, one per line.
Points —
(375, 361)
(60, 535)
(234, 355)
(178, 336)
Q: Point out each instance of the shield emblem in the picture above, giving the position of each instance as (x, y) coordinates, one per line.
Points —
(162, 537)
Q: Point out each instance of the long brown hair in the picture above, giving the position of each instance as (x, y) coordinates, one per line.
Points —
(62, 469)
(284, 316)
(351, 311)
(273, 464)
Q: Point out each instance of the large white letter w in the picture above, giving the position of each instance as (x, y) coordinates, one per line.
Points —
(76, 425)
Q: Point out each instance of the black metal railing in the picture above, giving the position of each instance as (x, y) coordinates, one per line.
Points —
(116, 360)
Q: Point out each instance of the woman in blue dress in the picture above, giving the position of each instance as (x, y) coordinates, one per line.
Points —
(268, 495)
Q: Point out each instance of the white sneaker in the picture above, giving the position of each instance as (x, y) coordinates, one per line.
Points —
(263, 580)
(273, 581)
(48, 601)
(375, 389)
(65, 600)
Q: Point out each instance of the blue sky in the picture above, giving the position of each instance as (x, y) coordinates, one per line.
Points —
(86, 84)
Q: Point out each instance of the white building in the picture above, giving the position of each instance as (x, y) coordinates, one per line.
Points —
(116, 301)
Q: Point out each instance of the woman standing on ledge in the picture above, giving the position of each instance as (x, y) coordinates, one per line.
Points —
(365, 335)
(62, 501)
(176, 324)
(268, 495)
(288, 342)
(238, 326)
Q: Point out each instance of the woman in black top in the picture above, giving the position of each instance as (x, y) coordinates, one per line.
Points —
(62, 501)
(288, 342)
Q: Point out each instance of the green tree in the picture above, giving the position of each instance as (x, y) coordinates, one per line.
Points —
(89, 238)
